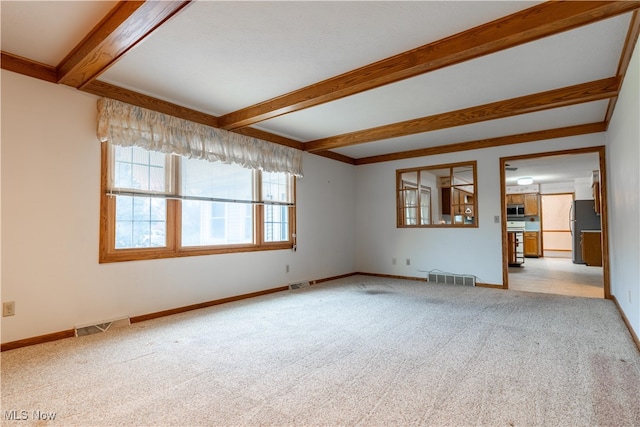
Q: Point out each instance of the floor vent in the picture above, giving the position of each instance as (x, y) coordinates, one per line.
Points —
(452, 279)
(101, 327)
(298, 285)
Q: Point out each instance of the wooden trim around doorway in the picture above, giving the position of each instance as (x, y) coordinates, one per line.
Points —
(604, 213)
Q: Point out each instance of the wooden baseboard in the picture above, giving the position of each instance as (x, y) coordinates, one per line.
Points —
(489, 285)
(177, 310)
(392, 276)
(38, 340)
(634, 337)
(135, 319)
(424, 279)
(327, 279)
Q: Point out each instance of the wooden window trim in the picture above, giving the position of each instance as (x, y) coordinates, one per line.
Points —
(108, 253)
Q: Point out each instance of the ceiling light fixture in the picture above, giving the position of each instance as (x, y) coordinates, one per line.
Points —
(527, 180)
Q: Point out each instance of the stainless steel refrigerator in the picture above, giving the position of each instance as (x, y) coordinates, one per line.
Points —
(582, 217)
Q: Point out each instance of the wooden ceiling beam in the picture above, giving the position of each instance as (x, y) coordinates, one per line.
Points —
(128, 23)
(107, 90)
(572, 95)
(487, 143)
(27, 67)
(337, 156)
(627, 51)
(271, 137)
(539, 21)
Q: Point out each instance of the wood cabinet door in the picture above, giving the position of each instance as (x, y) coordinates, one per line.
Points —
(515, 199)
(531, 204)
(531, 243)
(591, 248)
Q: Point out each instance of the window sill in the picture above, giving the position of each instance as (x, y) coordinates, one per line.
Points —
(122, 255)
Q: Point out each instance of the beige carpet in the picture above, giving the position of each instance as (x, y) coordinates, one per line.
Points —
(357, 351)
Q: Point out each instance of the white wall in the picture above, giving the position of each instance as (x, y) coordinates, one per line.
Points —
(475, 251)
(623, 167)
(50, 226)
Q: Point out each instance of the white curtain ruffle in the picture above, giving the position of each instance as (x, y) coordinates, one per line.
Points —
(128, 125)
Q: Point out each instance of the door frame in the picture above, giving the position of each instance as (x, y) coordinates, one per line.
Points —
(604, 212)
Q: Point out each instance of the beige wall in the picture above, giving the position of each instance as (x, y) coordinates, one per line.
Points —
(623, 166)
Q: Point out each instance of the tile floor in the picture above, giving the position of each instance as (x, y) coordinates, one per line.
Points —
(557, 276)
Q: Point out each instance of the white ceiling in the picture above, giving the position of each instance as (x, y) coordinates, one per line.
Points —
(553, 169)
(220, 56)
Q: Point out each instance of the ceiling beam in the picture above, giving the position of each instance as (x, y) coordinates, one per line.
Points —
(267, 136)
(47, 73)
(337, 156)
(487, 143)
(625, 58)
(107, 90)
(128, 23)
(577, 94)
(27, 67)
(522, 27)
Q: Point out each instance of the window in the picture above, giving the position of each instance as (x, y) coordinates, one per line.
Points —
(454, 197)
(158, 205)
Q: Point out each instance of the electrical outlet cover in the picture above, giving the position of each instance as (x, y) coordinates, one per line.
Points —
(8, 309)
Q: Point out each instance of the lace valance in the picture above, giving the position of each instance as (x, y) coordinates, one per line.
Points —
(128, 125)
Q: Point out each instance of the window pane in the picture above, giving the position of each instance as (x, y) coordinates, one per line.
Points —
(139, 169)
(140, 222)
(276, 223)
(214, 223)
(214, 179)
(276, 187)
(425, 206)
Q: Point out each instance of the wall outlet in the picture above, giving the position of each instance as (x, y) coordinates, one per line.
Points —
(629, 296)
(8, 308)
(408, 261)
(496, 219)
(393, 261)
(287, 268)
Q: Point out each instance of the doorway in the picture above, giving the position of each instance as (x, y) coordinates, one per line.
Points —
(558, 179)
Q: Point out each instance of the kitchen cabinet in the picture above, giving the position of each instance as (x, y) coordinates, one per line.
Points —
(591, 245)
(531, 247)
(515, 199)
(531, 205)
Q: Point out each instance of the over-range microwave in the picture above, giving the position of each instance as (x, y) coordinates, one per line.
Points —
(515, 210)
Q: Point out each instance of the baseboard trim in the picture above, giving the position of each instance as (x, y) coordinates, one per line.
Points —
(489, 285)
(328, 279)
(424, 279)
(634, 337)
(392, 276)
(41, 339)
(178, 310)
